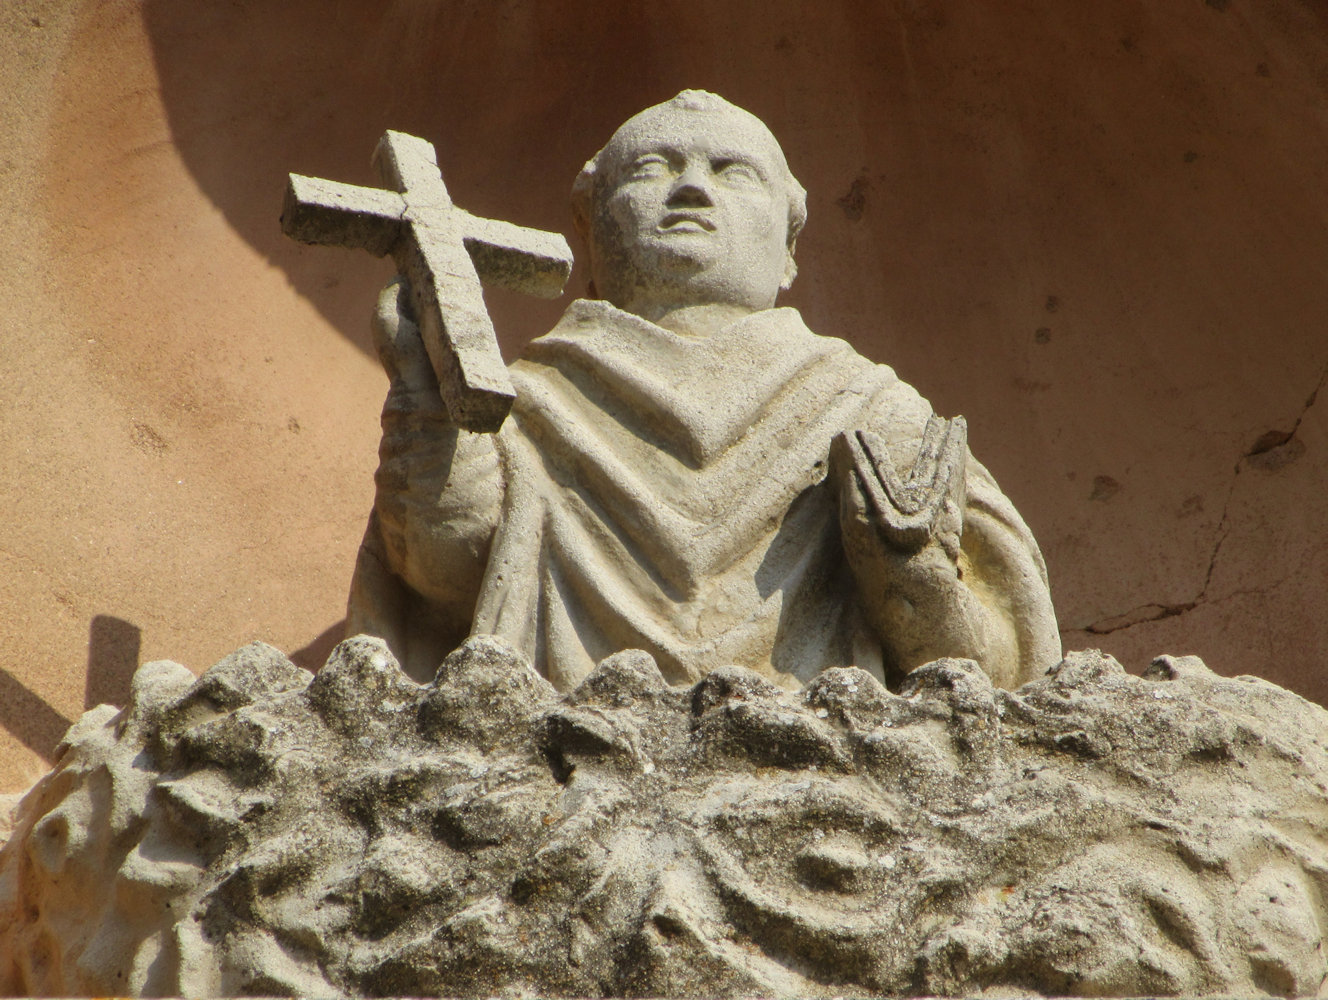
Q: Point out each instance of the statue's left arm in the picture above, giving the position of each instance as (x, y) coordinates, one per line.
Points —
(944, 564)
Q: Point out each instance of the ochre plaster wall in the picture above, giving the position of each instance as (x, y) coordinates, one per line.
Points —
(1100, 231)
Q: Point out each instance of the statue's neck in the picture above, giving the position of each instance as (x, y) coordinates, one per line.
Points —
(696, 320)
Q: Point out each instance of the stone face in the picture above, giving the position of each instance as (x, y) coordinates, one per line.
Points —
(359, 833)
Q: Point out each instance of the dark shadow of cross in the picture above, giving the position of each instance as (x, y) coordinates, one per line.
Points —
(444, 252)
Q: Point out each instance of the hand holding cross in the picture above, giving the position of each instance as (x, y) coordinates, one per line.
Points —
(444, 252)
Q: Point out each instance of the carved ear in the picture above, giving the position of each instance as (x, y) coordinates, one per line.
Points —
(581, 214)
(790, 267)
(581, 224)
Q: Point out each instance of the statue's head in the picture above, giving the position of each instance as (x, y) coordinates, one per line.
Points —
(691, 202)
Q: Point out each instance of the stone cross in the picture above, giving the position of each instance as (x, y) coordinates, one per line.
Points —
(444, 252)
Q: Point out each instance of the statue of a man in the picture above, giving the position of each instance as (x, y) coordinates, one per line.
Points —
(687, 469)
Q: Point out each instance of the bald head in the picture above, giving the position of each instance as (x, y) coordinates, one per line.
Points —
(690, 202)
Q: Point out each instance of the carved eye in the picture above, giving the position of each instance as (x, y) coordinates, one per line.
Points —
(737, 172)
(646, 167)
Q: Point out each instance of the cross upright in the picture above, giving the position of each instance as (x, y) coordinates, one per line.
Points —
(444, 252)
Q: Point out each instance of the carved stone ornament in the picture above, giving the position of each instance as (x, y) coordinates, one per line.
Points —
(261, 831)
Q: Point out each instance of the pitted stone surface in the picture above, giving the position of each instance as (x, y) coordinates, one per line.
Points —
(260, 831)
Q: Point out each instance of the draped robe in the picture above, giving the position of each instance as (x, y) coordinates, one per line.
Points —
(657, 491)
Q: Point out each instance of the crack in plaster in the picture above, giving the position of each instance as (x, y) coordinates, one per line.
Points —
(1158, 612)
(1144, 613)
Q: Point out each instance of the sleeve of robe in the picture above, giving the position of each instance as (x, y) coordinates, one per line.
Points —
(438, 500)
(1004, 567)
(1008, 573)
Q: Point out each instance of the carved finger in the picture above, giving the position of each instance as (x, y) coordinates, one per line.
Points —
(926, 465)
(950, 483)
(854, 506)
(903, 516)
(869, 480)
(385, 321)
(951, 478)
(397, 339)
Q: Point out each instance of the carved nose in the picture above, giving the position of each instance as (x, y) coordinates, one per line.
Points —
(690, 190)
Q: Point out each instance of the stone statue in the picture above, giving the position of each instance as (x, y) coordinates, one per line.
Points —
(616, 787)
(687, 469)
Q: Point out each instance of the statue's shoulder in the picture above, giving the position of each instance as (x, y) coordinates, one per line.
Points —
(868, 375)
(791, 320)
(588, 328)
(784, 328)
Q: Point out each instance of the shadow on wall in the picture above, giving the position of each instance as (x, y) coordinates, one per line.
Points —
(29, 718)
(313, 655)
(113, 655)
(511, 95)
(113, 650)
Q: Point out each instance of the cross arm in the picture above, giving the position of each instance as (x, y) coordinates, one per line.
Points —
(332, 214)
(530, 261)
(445, 253)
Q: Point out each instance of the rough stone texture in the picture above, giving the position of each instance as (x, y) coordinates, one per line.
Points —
(259, 831)
(1096, 229)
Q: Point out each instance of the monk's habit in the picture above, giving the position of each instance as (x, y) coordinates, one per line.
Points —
(655, 491)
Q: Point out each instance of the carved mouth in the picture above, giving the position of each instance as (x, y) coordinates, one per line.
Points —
(686, 222)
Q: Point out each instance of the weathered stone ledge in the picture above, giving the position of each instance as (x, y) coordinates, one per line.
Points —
(259, 831)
